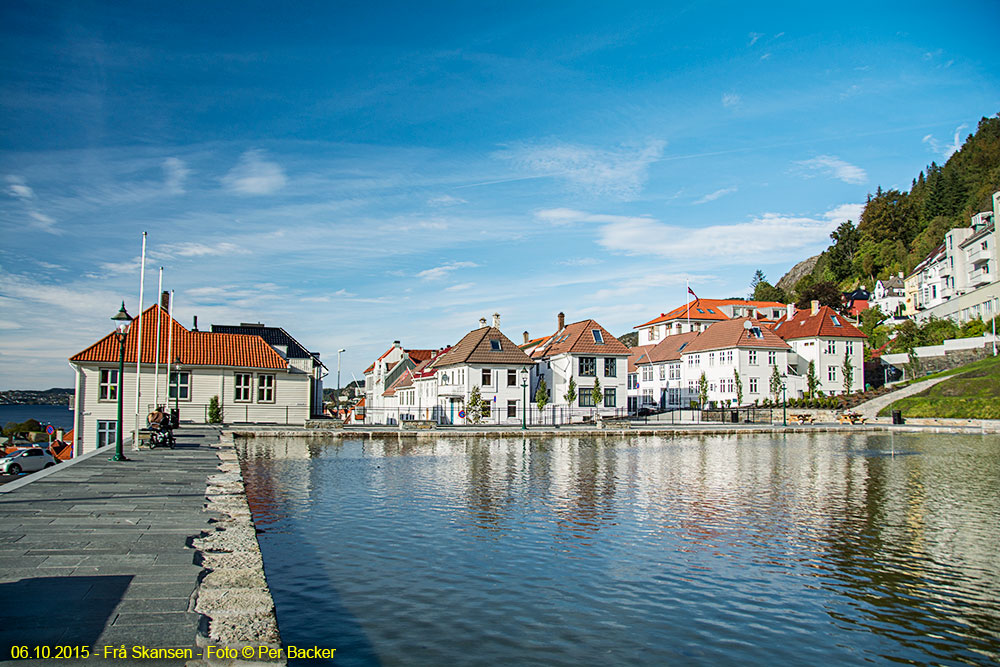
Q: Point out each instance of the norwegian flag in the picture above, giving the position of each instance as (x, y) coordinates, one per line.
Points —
(691, 291)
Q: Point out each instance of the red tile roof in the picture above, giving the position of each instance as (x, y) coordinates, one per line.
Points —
(826, 323)
(194, 348)
(476, 347)
(577, 338)
(669, 349)
(710, 310)
(402, 382)
(733, 333)
(638, 356)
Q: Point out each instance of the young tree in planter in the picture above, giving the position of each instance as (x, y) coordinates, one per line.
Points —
(214, 411)
(597, 394)
(848, 372)
(739, 387)
(702, 390)
(541, 395)
(570, 396)
(475, 407)
(811, 380)
(775, 384)
(912, 363)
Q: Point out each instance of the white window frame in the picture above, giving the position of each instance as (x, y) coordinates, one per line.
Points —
(243, 387)
(109, 384)
(107, 432)
(184, 386)
(265, 387)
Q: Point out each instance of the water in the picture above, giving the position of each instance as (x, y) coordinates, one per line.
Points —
(59, 416)
(762, 550)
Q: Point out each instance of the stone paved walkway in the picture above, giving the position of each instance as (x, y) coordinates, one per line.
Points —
(98, 553)
(870, 409)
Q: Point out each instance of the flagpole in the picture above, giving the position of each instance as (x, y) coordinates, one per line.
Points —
(156, 360)
(138, 346)
(170, 348)
(687, 283)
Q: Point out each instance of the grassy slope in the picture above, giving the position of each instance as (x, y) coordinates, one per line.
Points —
(971, 392)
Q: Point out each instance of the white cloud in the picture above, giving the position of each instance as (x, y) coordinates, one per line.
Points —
(254, 175)
(441, 271)
(175, 172)
(203, 250)
(617, 173)
(730, 100)
(834, 166)
(18, 187)
(754, 36)
(461, 287)
(946, 150)
(43, 222)
(446, 200)
(712, 196)
(581, 261)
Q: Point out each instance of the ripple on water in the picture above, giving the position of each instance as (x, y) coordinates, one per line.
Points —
(792, 550)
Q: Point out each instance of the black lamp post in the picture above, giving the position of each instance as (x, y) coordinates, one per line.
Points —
(177, 389)
(524, 406)
(123, 321)
(784, 401)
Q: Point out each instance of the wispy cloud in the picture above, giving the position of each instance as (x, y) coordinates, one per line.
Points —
(461, 287)
(946, 150)
(175, 172)
(754, 36)
(254, 175)
(18, 187)
(835, 167)
(439, 272)
(446, 200)
(203, 249)
(581, 261)
(619, 173)
(712, 196)
(730, 100)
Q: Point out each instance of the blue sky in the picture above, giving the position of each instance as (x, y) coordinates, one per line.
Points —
(397, 171)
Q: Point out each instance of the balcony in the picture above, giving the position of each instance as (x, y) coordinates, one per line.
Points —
(977, 253)
(979, 277)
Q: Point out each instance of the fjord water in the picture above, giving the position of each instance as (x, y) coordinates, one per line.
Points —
(766, 549)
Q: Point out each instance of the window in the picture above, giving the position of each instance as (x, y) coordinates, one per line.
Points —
(588, 366)
(711, 358)
(675, 371)
(182, 387)
(495, 344)
(753, 385)
(836, 322)
(831, 347)
(586, 397)
(512, 408)
(598, 336)
(674, 396)
(663, 372)
(633, 380)
(831, 373)
(654, 334)
(107, 432)
(647, 373)
(772, 358)
(610, 367)
(265, 388)
(243, 385)
(511, 377)
(729, 356)
(609, 397)
(109, 385)
(752, 357)
(849, 347)
(487, 377)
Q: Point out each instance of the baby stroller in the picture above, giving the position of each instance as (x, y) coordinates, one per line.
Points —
(161, 432)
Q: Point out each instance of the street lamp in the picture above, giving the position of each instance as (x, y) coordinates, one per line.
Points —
(123, 321)
(784, 400)
(177, 390)
(524, 406)
(339, 352)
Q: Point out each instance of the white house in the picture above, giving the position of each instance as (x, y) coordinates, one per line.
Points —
(586, 353)
(825, 337)
(380, 375)
(889, 296)
(661, 378)
(741, 351)
(252, 380)
(699, 314)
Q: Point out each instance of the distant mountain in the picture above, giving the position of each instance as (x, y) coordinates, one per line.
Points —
(53, 396)
(630, 339)
(797, 273)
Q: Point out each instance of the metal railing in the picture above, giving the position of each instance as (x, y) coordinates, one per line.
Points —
(251, 413)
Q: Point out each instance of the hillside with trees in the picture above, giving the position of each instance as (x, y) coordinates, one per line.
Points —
(897, 230)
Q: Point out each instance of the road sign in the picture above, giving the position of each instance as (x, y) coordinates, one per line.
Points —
(50, 429)
(461, 414)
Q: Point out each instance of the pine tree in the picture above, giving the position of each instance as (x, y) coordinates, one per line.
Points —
(811, 380)
(541, 395)
(848, 372)
(570, 394)
(214, 411)
(776, 384)
(702, 390)
(597, 394)
(739, 387)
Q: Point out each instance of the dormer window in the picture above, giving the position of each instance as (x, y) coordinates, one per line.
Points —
(495, 344)
(598, 336)
(756, 332)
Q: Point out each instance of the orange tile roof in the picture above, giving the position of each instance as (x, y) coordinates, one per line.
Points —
(732, 333)
(576, 338)
(710, 310)
(807, 325)
(638, 356)
(476, 347)
(194, 348)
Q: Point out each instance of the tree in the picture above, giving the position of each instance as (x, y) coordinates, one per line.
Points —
(871, 318)
(840, 255)
(739, 387)
(811, 380)
(826, 293)
(702, 390)
(912, 363)
(847, 370)
(478, 407)
(214, 411)
(570, 394)
(541, 395)
(597, 394)
(776, 383)
(758, 278)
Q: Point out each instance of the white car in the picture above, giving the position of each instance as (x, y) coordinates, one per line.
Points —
(26, 460)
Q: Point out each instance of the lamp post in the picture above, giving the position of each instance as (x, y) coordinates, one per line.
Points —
(339, 352)
(784, 401)
(177, 389)
(524, 406)
(123, 321)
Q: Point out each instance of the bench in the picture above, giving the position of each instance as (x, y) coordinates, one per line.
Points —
(802, 419)
(851, 418)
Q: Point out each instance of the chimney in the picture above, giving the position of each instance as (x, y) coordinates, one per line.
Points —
(195, 327)
(789, 310)
(562, 321)
(395, 343)
(525, 337)
(815, 307)
(165, 300)
(482, 322)
(900, 275)
(496, 320)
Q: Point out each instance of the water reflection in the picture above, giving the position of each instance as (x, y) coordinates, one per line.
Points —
(703, 549)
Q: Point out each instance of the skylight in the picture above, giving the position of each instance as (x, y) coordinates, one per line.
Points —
(836, 322)
(756, 332)
(598, 336)
(711, 311)
(495, 344)
(700, 311)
